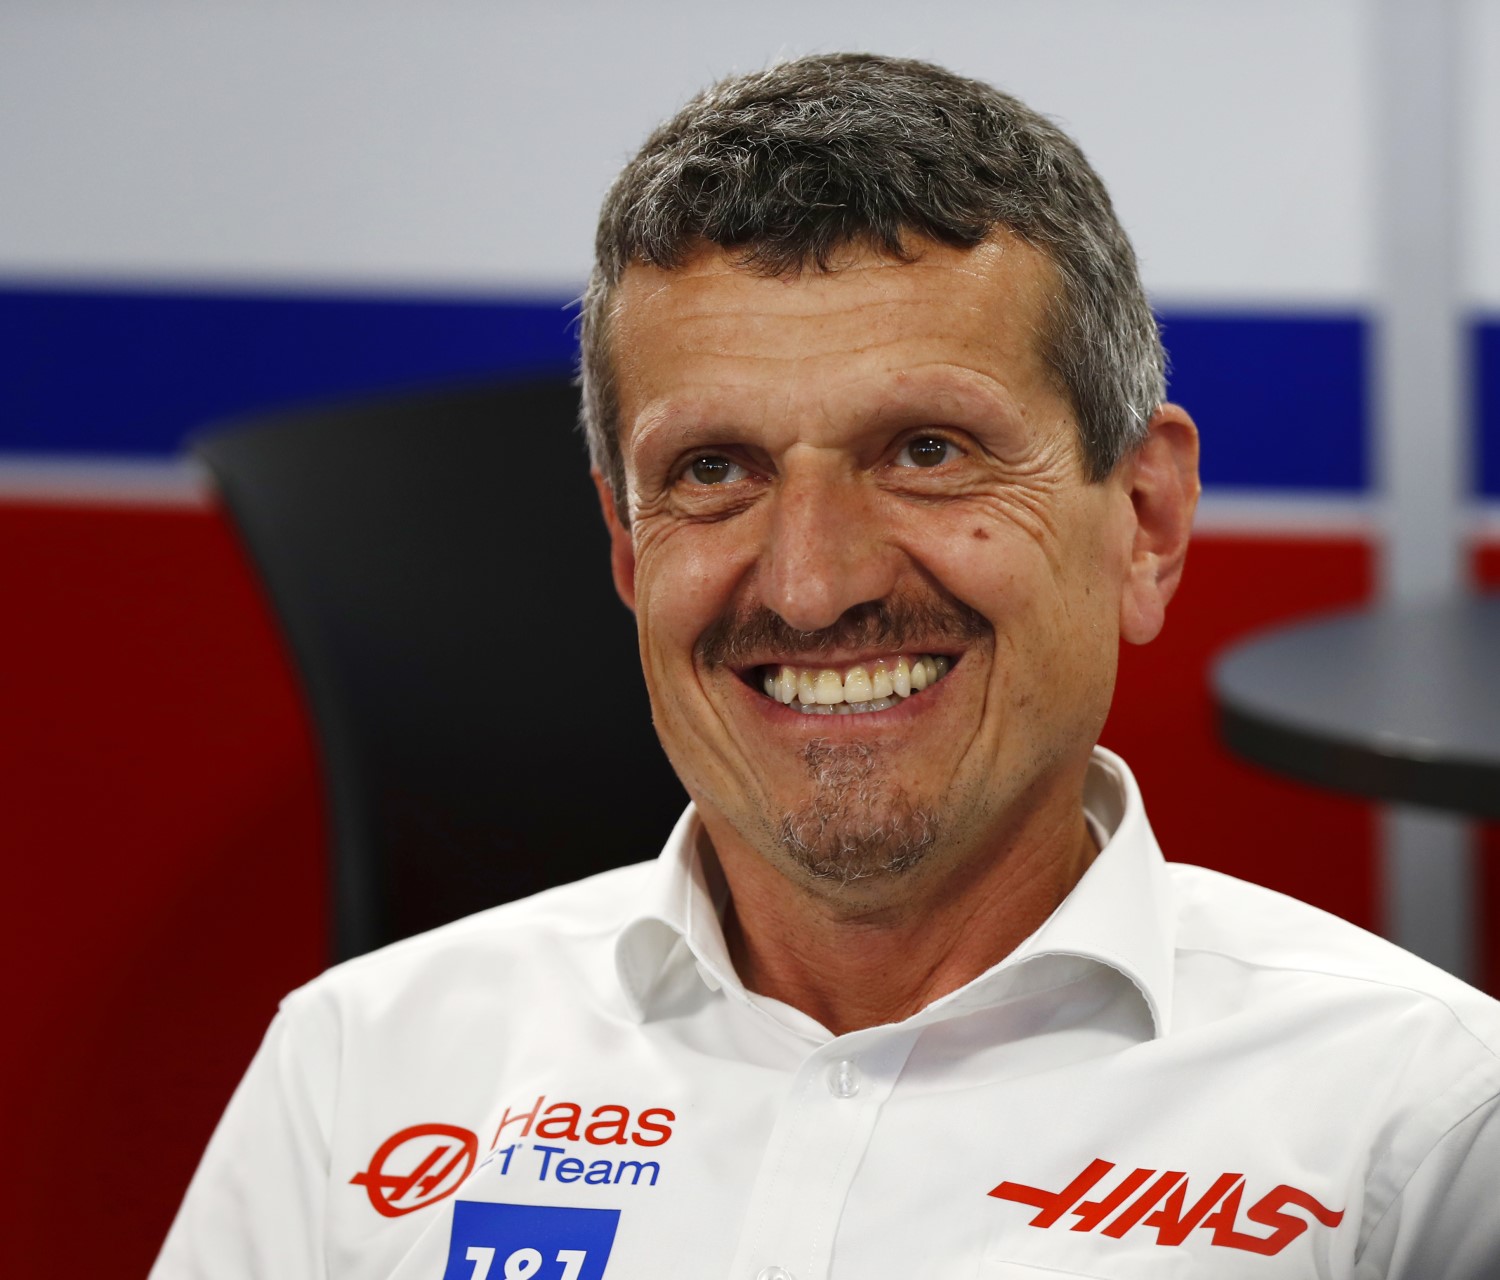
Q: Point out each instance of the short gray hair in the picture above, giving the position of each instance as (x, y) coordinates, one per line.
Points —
(791, 164)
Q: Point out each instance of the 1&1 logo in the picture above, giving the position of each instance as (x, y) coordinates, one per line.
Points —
(529, 1242)
(417, 1166)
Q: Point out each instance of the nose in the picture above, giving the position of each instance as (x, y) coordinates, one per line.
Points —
(827, 548)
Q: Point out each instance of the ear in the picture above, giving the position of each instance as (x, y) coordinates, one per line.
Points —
(621, 546)
(1161, 478)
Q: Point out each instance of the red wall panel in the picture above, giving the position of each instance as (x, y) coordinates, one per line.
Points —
(1206, 806)
(166, 844)
(1487, 853)
(164, 847)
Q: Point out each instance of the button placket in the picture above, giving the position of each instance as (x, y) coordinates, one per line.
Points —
(813, 1154)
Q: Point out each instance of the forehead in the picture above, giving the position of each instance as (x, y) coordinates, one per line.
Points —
(949, 321)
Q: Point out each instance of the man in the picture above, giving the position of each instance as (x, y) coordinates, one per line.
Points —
(875, 404)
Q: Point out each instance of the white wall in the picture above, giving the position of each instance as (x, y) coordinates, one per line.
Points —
(466, 143)
(1481, 152)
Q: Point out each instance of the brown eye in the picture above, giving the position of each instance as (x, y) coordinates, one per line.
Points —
(713, 468)
(925, 451)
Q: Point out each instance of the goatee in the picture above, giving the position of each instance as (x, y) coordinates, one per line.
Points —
(857, 824)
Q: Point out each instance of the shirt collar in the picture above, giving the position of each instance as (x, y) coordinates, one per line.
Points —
(677, 920)
(1118, 914)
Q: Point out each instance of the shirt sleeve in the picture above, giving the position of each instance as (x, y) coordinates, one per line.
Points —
(255, 1208)
(1444, 1225)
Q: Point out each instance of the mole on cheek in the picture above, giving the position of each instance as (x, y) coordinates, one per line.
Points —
(982, 535)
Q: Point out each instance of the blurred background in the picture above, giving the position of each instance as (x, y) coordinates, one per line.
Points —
(213, 209)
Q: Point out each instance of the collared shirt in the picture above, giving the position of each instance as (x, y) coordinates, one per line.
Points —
(1176, 1074)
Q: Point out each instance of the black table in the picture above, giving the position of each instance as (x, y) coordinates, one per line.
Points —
(1397, 704)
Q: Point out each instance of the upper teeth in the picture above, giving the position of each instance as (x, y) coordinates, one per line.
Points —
(879, 682)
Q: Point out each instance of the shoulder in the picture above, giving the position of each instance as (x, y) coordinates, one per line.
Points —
(562, 936)
(1320, 962)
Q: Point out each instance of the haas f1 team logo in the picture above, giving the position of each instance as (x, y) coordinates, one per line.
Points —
(413, 1168)
(1150, 1199)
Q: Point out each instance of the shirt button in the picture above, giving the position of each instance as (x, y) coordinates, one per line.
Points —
(843, 1080)
(774, 1273)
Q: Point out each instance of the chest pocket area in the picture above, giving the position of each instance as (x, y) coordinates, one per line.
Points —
(996, 1266)
(1030, 1254)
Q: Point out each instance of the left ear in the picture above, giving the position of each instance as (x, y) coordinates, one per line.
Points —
(1161, 478)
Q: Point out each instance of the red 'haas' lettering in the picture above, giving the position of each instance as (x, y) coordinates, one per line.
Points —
(1144, 1197)
(608, 1125)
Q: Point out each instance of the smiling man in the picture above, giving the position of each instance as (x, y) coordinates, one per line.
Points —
(879, 597)
(875, 404)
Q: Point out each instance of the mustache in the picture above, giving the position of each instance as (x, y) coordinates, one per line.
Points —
(893, 625)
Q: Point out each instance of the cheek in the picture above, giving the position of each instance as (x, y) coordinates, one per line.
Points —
(1053, 601)
(683, 583)
(985, 565)
(1081, 633)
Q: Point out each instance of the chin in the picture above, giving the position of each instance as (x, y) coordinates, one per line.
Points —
(856, 824)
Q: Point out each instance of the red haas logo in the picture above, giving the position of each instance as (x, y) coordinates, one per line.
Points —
(604, 1126)
(1144, 1197)
(417, 1166)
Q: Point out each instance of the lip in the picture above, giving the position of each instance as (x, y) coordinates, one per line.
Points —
(842, 659)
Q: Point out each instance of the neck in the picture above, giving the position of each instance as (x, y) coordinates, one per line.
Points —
(870, 954)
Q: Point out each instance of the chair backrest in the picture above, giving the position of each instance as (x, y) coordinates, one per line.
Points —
(441, 572)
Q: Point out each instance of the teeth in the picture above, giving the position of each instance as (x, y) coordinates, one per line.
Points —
(830, 688)
(851, 708)
(867, 687)
(786, 685)
(857, 687)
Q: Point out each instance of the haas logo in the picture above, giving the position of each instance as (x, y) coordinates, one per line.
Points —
(1160, 1200)
(417, 1166)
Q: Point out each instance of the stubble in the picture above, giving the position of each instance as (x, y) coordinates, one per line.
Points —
(857, 823)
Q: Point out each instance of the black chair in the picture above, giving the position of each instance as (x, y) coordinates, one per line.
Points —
(441, 572)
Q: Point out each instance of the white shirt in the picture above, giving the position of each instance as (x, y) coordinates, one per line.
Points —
(1178, 1074)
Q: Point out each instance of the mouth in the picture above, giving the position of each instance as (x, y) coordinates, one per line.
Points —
(859, 689)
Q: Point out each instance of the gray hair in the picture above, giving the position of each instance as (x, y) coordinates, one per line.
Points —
(792, 164)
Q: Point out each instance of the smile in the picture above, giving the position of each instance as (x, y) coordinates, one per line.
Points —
(857, 690)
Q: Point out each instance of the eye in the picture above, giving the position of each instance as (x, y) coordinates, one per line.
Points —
(714, 468)
(926, 451)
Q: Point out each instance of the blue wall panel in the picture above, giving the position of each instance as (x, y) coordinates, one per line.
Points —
(1487, 407)
(1280, 398)
(131, 373)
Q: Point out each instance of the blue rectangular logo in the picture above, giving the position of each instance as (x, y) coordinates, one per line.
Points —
(529, 1242)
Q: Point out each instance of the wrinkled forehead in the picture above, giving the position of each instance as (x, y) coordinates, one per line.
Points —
(712, 324)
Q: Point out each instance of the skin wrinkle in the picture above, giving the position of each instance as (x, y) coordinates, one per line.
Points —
(1038, 470)
(1028, 884)
(996, 247)
(962, 399)
(1029, 512)
(804, 165)
(979, 777)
